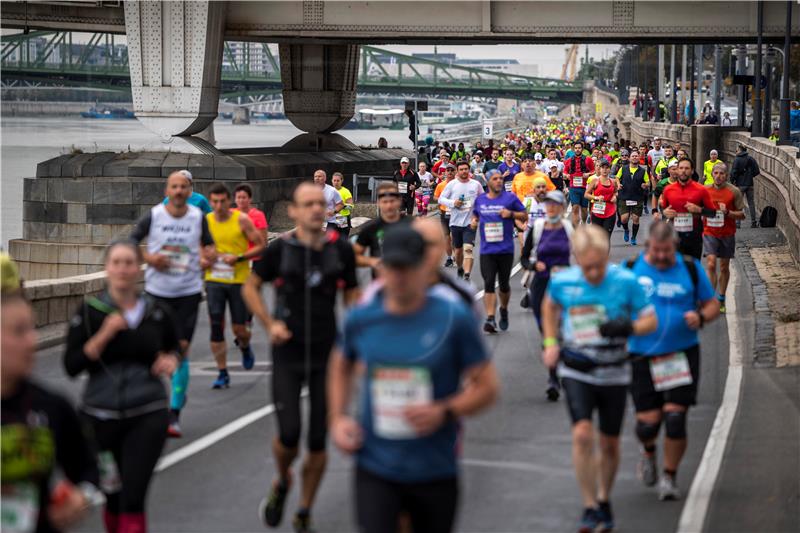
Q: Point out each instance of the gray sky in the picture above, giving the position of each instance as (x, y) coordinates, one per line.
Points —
(549, 57)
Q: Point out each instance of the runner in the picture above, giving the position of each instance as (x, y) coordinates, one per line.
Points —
(508, 168)
(556, 178)
(195, 198)
(655, 155)
(424, 193)
(719, 233)
(660, 171)
(602, 192)
(524, 186)
(708, 167)
(598, 308)
(495, 213)
(407, 182)
(492, 163)
(444, 211)
(681, 204)
(666, 362)
(243, 196)
(670, 178)
(41, 434)
(459, 195)
(547, 164)
(578, 168)
(343, 216)
(125, 342)
(370, 238)
(333, 199)
(546, 250)
(307, 267)
(413, 365)
(232, 231)
(179, 248)
(634, 189)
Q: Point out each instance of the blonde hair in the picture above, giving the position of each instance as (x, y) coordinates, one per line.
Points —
(590, 237)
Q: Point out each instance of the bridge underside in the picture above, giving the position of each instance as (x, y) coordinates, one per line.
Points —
(419, 22)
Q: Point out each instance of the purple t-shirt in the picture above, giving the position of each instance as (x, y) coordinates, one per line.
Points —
(515, 169)
(552, 250)
(497, 233)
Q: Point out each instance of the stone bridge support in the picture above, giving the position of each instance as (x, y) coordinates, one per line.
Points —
(175, 58)
(319, 85)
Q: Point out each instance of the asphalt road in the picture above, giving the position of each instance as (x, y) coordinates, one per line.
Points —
(517, 471)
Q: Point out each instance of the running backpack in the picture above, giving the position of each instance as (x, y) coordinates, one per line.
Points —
(580, 158)
(769, 217)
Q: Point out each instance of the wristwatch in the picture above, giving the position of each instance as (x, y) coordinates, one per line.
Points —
(449, 415)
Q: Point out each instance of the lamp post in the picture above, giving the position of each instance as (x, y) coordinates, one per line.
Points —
(770, 58)
(783, 123)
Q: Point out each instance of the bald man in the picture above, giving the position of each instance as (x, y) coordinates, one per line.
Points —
(333, 200)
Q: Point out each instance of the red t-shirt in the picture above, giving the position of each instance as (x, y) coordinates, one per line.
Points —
(259, 221)
(723, 226)
(676, 195)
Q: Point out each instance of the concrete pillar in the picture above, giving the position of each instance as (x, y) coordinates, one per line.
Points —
(684, 80)
(705, 137)
(175, 57)
(319, 85)
(660, 83)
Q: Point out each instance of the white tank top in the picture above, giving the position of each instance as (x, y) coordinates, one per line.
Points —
(179, 239)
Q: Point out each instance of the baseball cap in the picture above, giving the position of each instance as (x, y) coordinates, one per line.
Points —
(554, 196)
(448, 166)
(656, 138)
(402, 246)
(186, 174)
(404, 160)
(538, 156)
(673, 163)
(554, 163)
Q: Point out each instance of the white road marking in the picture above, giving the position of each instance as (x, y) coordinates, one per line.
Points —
(695, 509)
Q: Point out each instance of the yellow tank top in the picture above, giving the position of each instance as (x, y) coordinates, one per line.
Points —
(229, 239)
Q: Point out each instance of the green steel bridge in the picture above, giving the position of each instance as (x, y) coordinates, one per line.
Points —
(52, 58)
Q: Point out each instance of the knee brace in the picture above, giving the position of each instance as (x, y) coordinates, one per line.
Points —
(675, 424)
(646, 431)
(468, 249)
(217, 328)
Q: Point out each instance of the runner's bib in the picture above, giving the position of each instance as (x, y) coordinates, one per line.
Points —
(684, 222)
(631, 202)
(394, 389)
(179, 258)
(577, 182)
(718, 220)
(585, 323)
(507, 185)
(402, 187)
(493, 231)
(599, 207)
(19, 507)
(222, 270)
(670, 371)
(341, 221)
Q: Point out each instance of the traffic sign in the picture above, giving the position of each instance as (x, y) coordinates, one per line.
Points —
(488, 129)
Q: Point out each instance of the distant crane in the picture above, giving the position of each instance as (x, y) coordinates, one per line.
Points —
(570, 62)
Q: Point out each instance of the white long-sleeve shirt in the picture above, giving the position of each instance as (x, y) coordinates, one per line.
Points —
(471, 189)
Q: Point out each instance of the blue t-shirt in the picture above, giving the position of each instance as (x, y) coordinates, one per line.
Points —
(584, 307)
(515, 169)
(428, 363)
(197, 200)
(672, 294)
(500, 230)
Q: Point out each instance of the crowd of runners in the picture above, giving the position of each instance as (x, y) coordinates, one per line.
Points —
(392, 368)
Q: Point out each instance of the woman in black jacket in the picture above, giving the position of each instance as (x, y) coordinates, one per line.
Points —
(125, 342)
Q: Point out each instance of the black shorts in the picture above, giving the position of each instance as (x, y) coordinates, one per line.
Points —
(646, 398)
(218, 294)
(431, 505)
(691, 243)
(445, 220)
(185, 310)
(496, 267)
(609, 400)
(462, 235)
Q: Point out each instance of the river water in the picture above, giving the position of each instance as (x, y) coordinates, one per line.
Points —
(27, 141)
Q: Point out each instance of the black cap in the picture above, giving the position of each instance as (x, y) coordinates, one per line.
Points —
(402, 246)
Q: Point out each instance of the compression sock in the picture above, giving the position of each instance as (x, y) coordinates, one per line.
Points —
(721, 298)
(180, 382)
(625, 226)
(635, 231)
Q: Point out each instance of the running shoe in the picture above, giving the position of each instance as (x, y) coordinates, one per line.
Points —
(490, 326)
(174, 428)
(605, 516)
(525, 301)
(503, 319)
(633, 242)
(626, 236)
(449, 262)
(460, 273)
(667, 490)
(248, 358)
(271, 508)
(223, 381)
(467, 276)
(302, 522)
(722, 308)
(647, 469)
(589, 521)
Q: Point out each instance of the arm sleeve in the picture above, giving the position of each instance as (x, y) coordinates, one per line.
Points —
(142, 228)
(75, 361)
(74, 453)
(205, 236)
(267, 267)
(444, 198)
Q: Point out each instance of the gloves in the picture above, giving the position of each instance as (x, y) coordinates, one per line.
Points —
(619, 327)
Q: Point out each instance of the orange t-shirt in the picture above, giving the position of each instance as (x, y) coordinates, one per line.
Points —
(438, 192)
(522, 185)
(722, 226)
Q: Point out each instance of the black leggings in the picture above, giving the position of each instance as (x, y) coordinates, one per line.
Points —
(379, 502)
(605, 223)
(496, 266)
(136, 444)
(537, 291)
(288, 376)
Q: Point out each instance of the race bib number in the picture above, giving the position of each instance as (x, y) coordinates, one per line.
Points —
(19, 507)
(221, 270)
(717, 221)
(341, 221)
(577, 182)
(599, 207)
(631, 202)
(402, 187)
(393, 390)
(670, 371)
(468, 203)
(179, 258)
(507, 185)
(493, 231)
(684, 222)
(585, 323)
